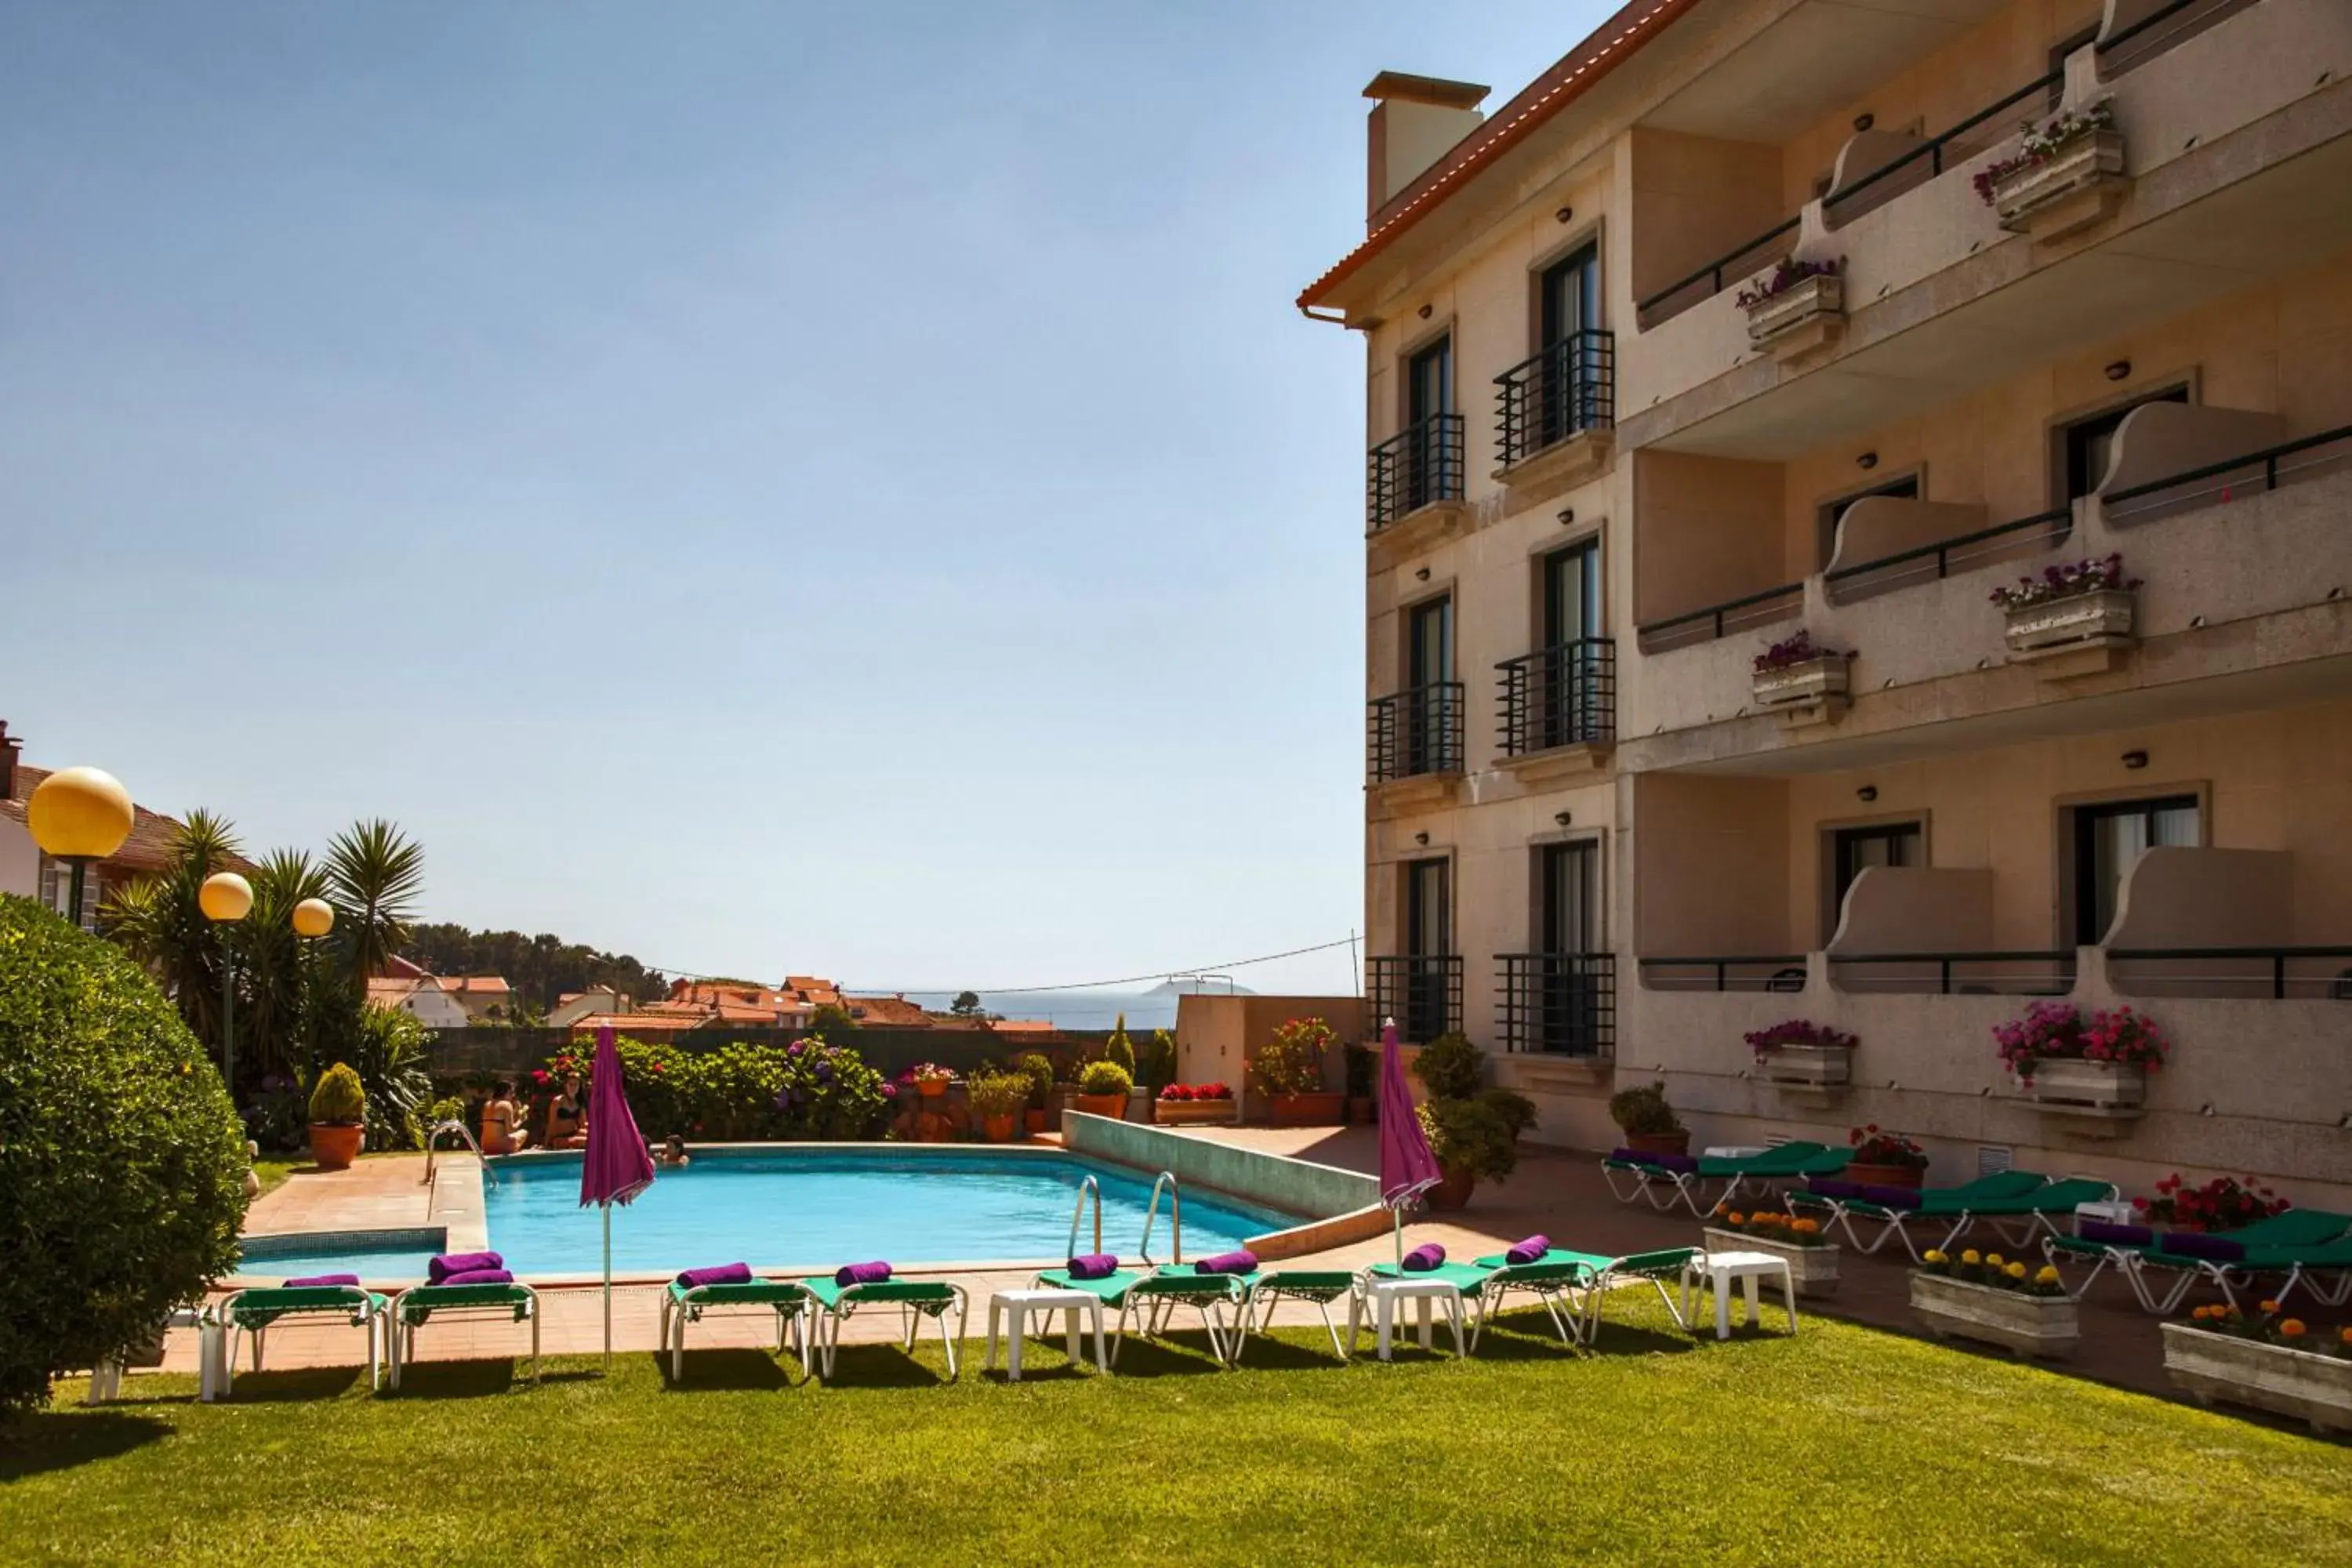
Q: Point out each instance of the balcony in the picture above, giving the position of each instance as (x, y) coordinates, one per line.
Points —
(1416, 733)
(1715, 621)
(1559, 1003)
(1419, 466)
(1421, 992)
(1559, 698)
(1556, 411)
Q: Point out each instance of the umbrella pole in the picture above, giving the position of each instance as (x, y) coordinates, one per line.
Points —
(1396, 1213)
(608, 1287)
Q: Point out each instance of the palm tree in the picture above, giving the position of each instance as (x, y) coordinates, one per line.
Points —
(281, 970)
(373, 874)
(159, 922)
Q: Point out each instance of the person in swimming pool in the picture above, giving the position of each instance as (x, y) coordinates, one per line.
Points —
(672, 1152)
(567, 1118)
(503, 1129)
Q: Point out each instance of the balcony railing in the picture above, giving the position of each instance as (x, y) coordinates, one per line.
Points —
(2035, 974)
(2280, 974)
(1416, 732)
(1562, 696)
(1721, 620)
(2303, 457)
(1421, 992)
(1564, 1004)
(1417, 466)
(1708, 281)
(2162, 29)
(1964, 551)
(1566, 390)
(1746, 971)
(1957, 146)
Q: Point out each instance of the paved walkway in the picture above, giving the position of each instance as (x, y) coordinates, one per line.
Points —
(1557, 1192)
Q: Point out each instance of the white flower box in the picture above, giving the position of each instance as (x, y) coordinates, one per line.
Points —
(1801, 318)
(2068, 1084)
(1814, 1269)
(2307, 1385)
(2104, 615)
(2023, 1324)
(2081, 184)
(1813, 680)
(1809, 1066)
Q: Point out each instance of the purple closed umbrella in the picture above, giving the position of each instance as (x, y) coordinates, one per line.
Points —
(1407, 1167)
(617, 1166)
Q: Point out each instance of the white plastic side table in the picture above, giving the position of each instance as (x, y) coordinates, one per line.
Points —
(1018, 1304)
(1750, 1269)
(1384, 1295)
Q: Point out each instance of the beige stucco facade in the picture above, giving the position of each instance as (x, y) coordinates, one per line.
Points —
(2201, 278)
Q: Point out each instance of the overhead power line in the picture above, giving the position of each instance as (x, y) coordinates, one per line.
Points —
(1092, 984)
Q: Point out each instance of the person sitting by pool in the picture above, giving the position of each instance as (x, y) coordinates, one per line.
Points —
(503, 1129)
(567, 1118)
(672, 1152)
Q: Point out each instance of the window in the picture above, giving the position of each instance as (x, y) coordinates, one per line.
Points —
(1429, 393)
(1567, 306)
(1854, 850)
(57, 891)
(1567, 1001)
(1567, 696)
(2085, 446)
(1428, 938)
(2107, 838)
(1904, 489)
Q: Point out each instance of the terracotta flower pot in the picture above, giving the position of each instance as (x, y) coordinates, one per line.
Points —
(1317, 1109)
(334, 1148)
(1453, 1192)
(1912, 1176)
(932, 1088)
(1674, 1143)
(1111, 1105)
(999, 1129)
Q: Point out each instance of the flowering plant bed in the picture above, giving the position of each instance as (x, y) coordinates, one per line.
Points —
(1786, 274)
(1796, 307)
(2073, 579)
(2058, 1032)
(1183, 1105)
(1884, 1159)
(2042, 144)
(2268, 1361)
(1797, 673)
(1995, 1300)
(2066, 174)
(1790, 652)
(2083, 602)
(1774, 1045)
(1180, 1092)
(2222, 1204)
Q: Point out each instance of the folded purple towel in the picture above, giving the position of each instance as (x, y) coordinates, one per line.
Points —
(313, 1281)
(717, 1274)
(1094, 1265)
(2197, 1244)
(1830, 1187)
(478, 1277)
(2114, 1235)
(1530, 1250)
(1684, 1164)
(1239, 1261)
(861, 1274)
(448, 1263)
(1424, 1258)
(1891, 1197)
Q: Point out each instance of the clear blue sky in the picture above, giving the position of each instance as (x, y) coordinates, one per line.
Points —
(762, 486)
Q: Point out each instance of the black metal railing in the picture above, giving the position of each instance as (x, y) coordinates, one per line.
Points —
(1958, 144)
(1416, 732)
(1419, 464)
(1721, 620)
(1708, 281)
(1746, 971)
(1562, 696)
(2160, 30)
(1563, 390)
(2016, 974)
(2280, 974)
(1928, 562)
(1564, 1004)
(1421, 992)
(2265, 469)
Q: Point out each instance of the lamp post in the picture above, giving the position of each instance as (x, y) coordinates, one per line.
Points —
(311, 919)
(227, 897)
(79, 815)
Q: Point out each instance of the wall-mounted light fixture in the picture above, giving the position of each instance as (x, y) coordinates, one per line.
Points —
(1421, 574)
(1868, 460)
(1562, 817)
(2119, 371)
(2135, 759)
(1866, 793)
(1862, 122)
(1422, 839)
(1424, 312)
(1567, 514)
(1565, 215)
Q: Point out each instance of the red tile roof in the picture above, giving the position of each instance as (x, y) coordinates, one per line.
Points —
(887, 1012)
(639, 1023)
(1575, 74)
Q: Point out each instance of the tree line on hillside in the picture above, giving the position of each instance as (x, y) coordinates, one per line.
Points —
(540, 968)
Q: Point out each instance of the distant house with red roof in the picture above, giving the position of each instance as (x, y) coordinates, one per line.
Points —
(29, 873)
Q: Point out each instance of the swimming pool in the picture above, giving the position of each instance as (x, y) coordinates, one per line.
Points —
(373, 1255)
(817, 1208)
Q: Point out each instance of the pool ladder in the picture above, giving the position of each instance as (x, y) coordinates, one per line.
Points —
(1087, 1188)
(433, 1141)
(1167, 1179)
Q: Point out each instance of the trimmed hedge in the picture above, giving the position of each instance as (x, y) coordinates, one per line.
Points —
(121, 1163)
(805, 1089)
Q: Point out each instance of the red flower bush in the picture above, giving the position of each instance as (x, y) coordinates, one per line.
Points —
(2059, 1031)
(1180, 1091)
(1795, 1032)
(2222, 1204)
(1871, 1147)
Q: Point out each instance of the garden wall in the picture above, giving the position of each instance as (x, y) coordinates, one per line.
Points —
(491, 1052)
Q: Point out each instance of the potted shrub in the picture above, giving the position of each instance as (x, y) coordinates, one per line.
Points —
(1799, 670)
(1797, 306)
(1995, 1300)
(2066, 173)
(1039, 1070)
(2267, 1362)
(1363, 1105)
(997, 1100)
(2068, 605)
(1884, 1159)
(1103, 1087)
(1189, 1105)
(2222, 1204)
(338, 1118)
(1811, 1258)
(2070, 1062)
(1801, 1052)
(1647, 1122)
(1288, 1070)
(1473, 1140)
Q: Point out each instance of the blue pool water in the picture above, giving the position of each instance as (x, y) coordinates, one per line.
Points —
(404, 1263)
(820, 1208)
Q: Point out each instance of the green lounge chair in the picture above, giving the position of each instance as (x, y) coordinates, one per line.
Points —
(1668, 1180)
(254, 1309)
(1579, 1281)
(1319, 1285)
(419, 1304)
(835, 1303)
(2277, 1243)
(1161, 1292)
(1999, 1198)
(787, 1299)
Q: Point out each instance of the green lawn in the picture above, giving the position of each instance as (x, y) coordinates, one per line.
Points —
(273, 1170)
(1844, 1446)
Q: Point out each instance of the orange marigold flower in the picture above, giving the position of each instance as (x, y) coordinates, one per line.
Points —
(2269, 1307)
(2292, 1328)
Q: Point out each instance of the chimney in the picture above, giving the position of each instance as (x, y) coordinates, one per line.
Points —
(11, 749)
(1415, 120)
